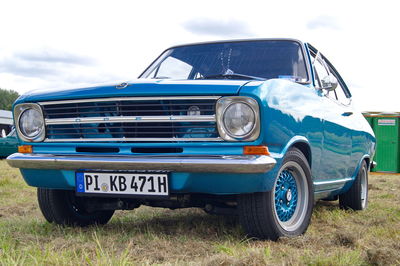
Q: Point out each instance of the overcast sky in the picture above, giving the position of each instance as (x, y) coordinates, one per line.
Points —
(59, 44)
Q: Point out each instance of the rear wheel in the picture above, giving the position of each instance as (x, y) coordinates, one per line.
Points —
(286, 210)
(64, 208)
(356, 197)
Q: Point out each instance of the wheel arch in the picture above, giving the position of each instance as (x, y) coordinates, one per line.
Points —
(367, 160)
(348, 185)
(304, 147)
(301, 143)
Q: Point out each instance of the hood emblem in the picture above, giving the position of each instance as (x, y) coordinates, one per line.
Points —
(123, 85)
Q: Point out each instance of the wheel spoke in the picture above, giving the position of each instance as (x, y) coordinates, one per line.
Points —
(285, 195)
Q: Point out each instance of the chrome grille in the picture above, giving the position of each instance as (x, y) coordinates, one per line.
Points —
(132, 119)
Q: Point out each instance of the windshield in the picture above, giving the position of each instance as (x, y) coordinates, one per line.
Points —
(265, 59)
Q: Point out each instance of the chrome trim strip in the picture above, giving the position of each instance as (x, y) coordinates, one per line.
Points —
(131, 139)
(332, 182)
(131, 99)
(131, 119)
(188, 163)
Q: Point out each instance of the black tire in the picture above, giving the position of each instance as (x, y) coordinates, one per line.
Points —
(64, 208)
(258, 212)
(356, 197)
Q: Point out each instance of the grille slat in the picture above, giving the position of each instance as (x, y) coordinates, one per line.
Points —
(133, 119)
(148, 133)
(123, 105)
(136, 127)
(172, 112)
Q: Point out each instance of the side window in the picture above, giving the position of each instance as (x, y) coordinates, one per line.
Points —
(340, 95)
(321, 70)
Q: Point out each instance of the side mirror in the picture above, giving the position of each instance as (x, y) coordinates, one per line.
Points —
(329, 83)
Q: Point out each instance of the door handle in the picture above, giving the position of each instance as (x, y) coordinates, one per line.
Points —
(347, 113)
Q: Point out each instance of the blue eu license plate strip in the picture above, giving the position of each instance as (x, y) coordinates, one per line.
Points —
(122, 183)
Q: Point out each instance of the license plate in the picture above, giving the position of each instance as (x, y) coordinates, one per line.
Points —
(149, 184)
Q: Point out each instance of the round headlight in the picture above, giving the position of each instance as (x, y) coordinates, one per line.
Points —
(239, 119)
(31, 123)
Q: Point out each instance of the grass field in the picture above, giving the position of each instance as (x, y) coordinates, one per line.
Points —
(192, 237)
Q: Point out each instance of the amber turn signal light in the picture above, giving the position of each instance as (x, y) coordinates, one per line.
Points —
(25, 149)
(255, 150)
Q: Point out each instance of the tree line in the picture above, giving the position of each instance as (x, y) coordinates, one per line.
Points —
(7, 98)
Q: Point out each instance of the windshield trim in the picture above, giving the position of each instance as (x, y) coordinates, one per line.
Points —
(300, 43)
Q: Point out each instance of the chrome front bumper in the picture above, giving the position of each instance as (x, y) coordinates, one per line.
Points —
(185, 163)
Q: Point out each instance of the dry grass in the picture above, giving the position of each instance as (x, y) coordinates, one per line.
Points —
(191, 237)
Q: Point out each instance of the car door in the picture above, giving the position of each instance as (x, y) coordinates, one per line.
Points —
(337, 136)
(352, 120)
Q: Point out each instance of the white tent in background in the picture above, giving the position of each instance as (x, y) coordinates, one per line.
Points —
(6, 122)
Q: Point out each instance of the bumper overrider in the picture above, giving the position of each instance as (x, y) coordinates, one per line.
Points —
(250, 164)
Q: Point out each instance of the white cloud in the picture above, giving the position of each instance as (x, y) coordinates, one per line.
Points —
(228, 28)
(49, 55)
(324, 22)
(41, 63)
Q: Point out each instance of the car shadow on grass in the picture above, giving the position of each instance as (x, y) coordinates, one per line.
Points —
(188, 223)
(171, 224)
(326, 205)
(179, 223)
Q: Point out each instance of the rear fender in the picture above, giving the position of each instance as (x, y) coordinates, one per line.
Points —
(348, 185)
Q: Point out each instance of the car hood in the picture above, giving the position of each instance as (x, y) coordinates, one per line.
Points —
(140, 87)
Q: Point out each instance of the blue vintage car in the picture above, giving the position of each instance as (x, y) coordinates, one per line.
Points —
(257, 128)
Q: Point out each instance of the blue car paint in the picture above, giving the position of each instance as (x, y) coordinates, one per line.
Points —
(139, 87)
(179, 182)
(286, 109)
(292, 114)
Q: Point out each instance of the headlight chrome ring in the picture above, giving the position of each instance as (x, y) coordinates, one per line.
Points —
(238, 118)
(29, 122)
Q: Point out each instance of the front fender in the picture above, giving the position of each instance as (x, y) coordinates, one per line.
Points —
(291, 115)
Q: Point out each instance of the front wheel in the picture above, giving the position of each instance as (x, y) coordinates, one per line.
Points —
(64, 208)
(286, 210)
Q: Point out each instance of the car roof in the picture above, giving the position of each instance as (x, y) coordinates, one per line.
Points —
(238, 40)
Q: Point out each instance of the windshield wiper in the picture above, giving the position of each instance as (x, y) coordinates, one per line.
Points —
(231, 76)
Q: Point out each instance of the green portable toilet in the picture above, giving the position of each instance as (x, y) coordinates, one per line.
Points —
(370, 120)
(369, 116)
(386, 128)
